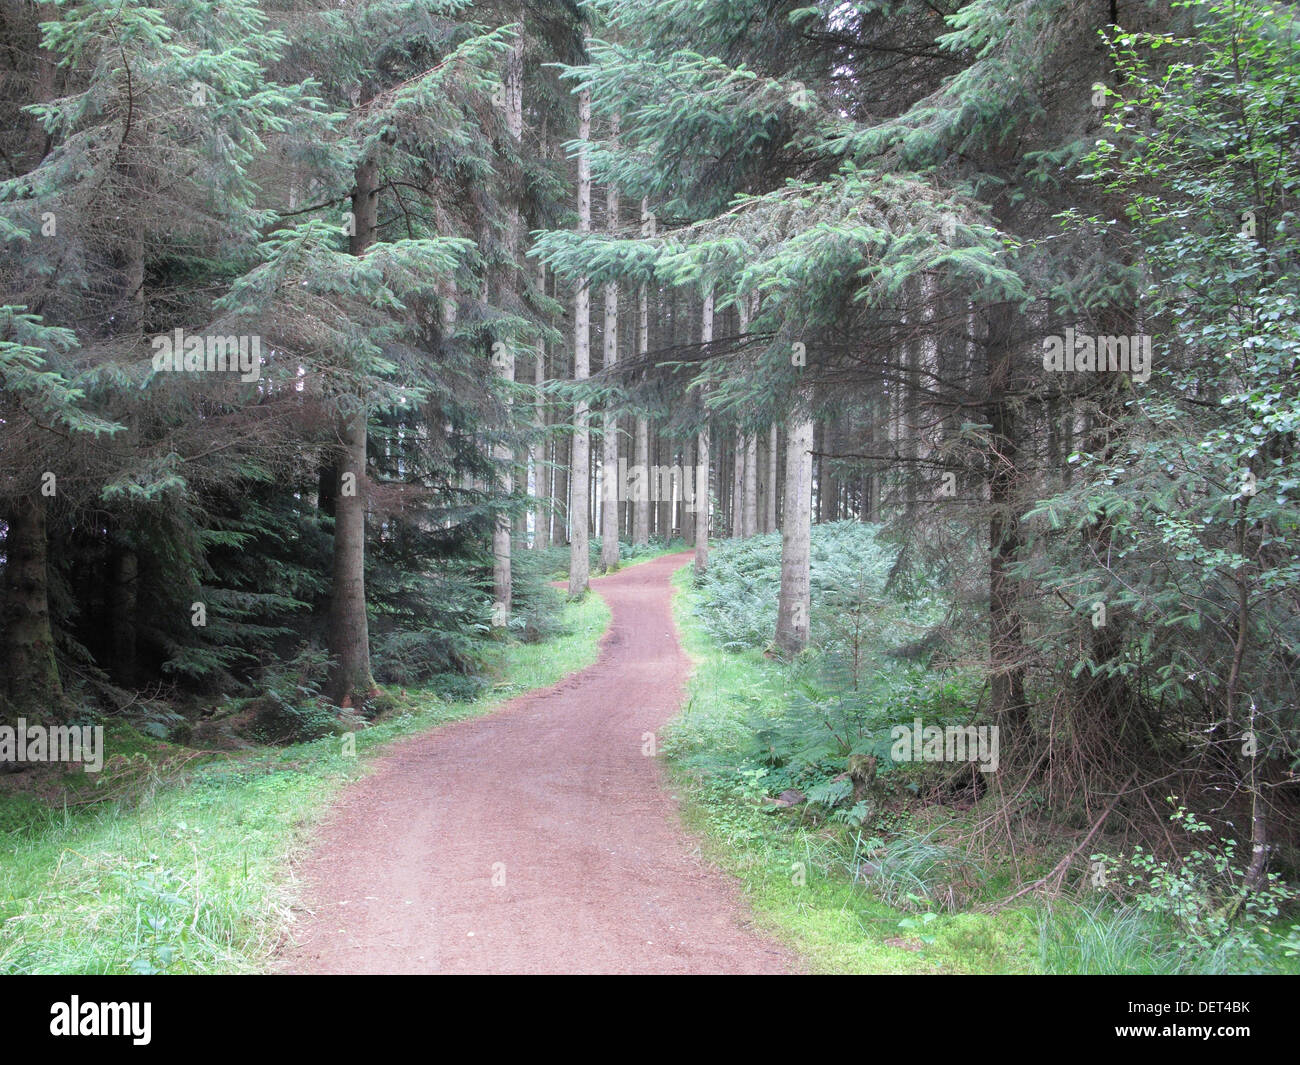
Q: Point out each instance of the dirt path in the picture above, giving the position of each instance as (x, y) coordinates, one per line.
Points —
(552, 795)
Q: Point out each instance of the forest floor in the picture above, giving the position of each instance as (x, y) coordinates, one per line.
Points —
(541, 838)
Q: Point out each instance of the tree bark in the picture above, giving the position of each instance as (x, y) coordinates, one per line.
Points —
(689, 464)
(579, 559)
(350, 680)
(700, 473)
(31, 674)
(736, 502)
(609, 556)
(561, 505)
(749, 525)
(794, 606)
(537, 453)
(769, 523)
(1006, 649)
(504, 357)
(641, 457)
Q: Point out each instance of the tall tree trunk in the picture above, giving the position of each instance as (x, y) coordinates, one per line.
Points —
(537, 453)
(349, 631)
(746, 453)
(689, 461)
(641, 502)
(612, 482)
(664, 504)
(749, 526)
(641, 457)
(736, 502)
(828, 485)
(592, 477)
(1006, 649)
(504, 356)
(503, 459)
(350, 680)
(818, 445)
(31, 672)
(501, 530)
(702, 499)
(561, 503)
(794, 606)
(769, 521)
(579, 558)
(909, 420)
(126, 583)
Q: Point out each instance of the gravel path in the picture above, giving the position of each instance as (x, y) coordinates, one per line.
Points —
(538, 839)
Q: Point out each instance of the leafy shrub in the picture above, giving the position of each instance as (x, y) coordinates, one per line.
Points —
(291, 709)
(840, 700)
(158, 719)
(1104, 938)
(1203, 897)
(854, 614)
(410, 658)
(457, 687)
(535, 609)
(428, 622)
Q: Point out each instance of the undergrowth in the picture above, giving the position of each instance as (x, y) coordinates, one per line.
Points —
(865, 864)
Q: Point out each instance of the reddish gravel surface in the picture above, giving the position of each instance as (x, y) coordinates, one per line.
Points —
(552, 795)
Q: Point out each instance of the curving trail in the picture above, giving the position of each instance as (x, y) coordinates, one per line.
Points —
(599, 876)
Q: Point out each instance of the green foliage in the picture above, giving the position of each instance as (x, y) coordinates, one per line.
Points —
(1103, 939)
(802, 726)
(291, 709)
(188, 165)
(843, 698)
(817, 882)
(850, 565)
(916, 873)
(429, 613)
(1203, 896)
(1190, 481)
(27, 346)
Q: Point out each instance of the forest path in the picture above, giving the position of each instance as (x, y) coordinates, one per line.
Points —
(537, 839)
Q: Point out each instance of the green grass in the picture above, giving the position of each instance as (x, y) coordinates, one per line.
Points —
(187, 872)
(1075, 938)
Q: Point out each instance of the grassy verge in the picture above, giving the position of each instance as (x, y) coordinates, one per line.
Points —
(812, 886)
(795, 878)
(184, 871)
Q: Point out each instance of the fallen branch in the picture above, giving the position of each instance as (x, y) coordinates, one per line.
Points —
(1058, 871)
